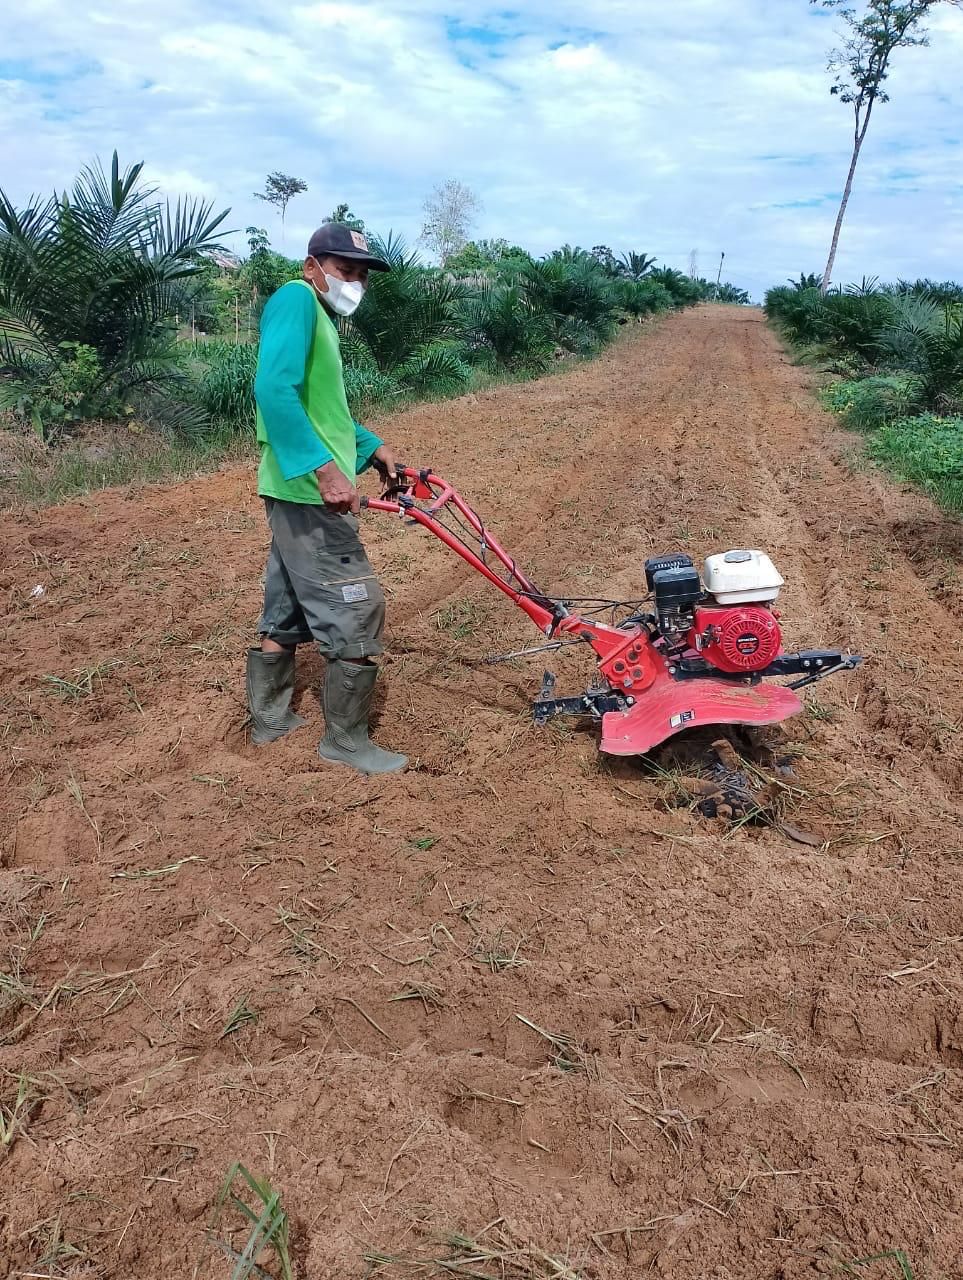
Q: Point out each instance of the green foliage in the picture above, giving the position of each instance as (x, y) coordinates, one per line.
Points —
(342, 213)
(485, 257)
(367, 388)
(270, 1228)
(226, 386)
(90, 284)
(435, 369)
(869, 403)
(642, 297)
(575, 294)
(635, 265)
(99, 288)
(279, 190)
(848, 321)
(947, 292)
(408, 321)
(684, 289)
(927, 450)
(265, 271)
(726, 292)
(504, 330)
(909, 338)
(807, 280)
(71, 390)
(926, 338)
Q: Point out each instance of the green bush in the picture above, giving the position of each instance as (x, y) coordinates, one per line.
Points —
(643, 297)
(503, 331)
(226, 386)
(368, 388)
(868, 403)
(927, 450)
(69, 389)
(91, 283)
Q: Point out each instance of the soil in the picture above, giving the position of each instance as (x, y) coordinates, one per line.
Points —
(747, 1052)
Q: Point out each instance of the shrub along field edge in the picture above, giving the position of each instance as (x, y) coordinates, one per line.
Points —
(135, 325)
(895, 355)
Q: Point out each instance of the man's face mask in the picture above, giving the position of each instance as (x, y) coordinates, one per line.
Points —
(343, 296)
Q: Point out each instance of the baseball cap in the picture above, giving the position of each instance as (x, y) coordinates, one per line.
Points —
(345, 242)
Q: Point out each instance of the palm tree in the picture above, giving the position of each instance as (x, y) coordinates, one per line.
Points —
(504, 330)
(926, 338)
(636, 265)
(409, 324)
(90, 284)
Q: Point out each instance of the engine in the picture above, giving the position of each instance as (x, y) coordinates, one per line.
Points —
(725, 616)
(737, 639)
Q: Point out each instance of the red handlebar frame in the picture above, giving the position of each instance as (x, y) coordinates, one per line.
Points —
(425, 485)
(625, 656)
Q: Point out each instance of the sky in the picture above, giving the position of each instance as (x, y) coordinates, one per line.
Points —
(681, 128)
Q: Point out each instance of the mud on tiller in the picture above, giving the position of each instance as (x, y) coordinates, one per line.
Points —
(697, 658)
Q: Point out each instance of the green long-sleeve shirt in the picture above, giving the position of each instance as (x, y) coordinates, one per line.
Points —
(303, 419)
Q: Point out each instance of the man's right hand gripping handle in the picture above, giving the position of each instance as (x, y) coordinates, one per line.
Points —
(337, 491)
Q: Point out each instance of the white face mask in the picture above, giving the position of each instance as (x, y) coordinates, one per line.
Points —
(343, 296)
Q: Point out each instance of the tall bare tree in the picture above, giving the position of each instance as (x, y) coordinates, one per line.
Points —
(860, 67)
(279, 190)
(450, 211)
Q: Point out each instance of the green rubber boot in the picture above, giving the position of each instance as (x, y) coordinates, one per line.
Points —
(348, 689)
(270, 687)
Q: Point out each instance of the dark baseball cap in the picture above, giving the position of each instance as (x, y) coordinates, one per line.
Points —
(344, 242)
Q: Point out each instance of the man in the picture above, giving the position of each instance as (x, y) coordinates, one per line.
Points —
(319, 584)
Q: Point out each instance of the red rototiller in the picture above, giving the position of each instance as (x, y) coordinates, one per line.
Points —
(693, 652)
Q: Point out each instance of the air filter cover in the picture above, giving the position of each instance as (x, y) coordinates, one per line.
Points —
(741, 577)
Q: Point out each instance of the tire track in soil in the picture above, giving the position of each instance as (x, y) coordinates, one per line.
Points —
(729, 990)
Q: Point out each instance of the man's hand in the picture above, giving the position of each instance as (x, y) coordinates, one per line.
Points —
(386, 457)
(337, 491)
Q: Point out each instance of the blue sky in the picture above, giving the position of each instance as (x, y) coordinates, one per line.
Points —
(691, 127)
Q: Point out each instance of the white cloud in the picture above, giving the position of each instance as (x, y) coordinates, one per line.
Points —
(695, 126)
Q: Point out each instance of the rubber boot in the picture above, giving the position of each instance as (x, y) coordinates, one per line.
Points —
(348, 689)
(270, 687)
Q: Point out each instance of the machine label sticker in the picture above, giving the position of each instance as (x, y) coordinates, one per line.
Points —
(355, 592)
(682, 718)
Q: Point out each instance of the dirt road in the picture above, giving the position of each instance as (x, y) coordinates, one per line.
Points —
(213, 953)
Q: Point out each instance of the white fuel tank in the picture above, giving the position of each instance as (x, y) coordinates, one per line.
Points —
(741, 577)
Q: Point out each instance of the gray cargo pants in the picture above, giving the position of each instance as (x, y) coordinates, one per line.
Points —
(319, 584)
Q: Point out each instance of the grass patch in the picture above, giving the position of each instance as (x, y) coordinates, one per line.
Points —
(926, 450)
(462, 618)
(15, 1113)
(33, 476)
(866, 404)
(81, 685)
(490, 1255)
(897, 1255)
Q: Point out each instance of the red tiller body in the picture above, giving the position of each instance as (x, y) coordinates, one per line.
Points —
(645, 691)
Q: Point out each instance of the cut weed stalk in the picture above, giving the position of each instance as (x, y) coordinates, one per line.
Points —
(499, 952)
(240, 1016)
(569, 1054)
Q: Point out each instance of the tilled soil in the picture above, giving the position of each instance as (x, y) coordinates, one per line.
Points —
(747, 1051)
